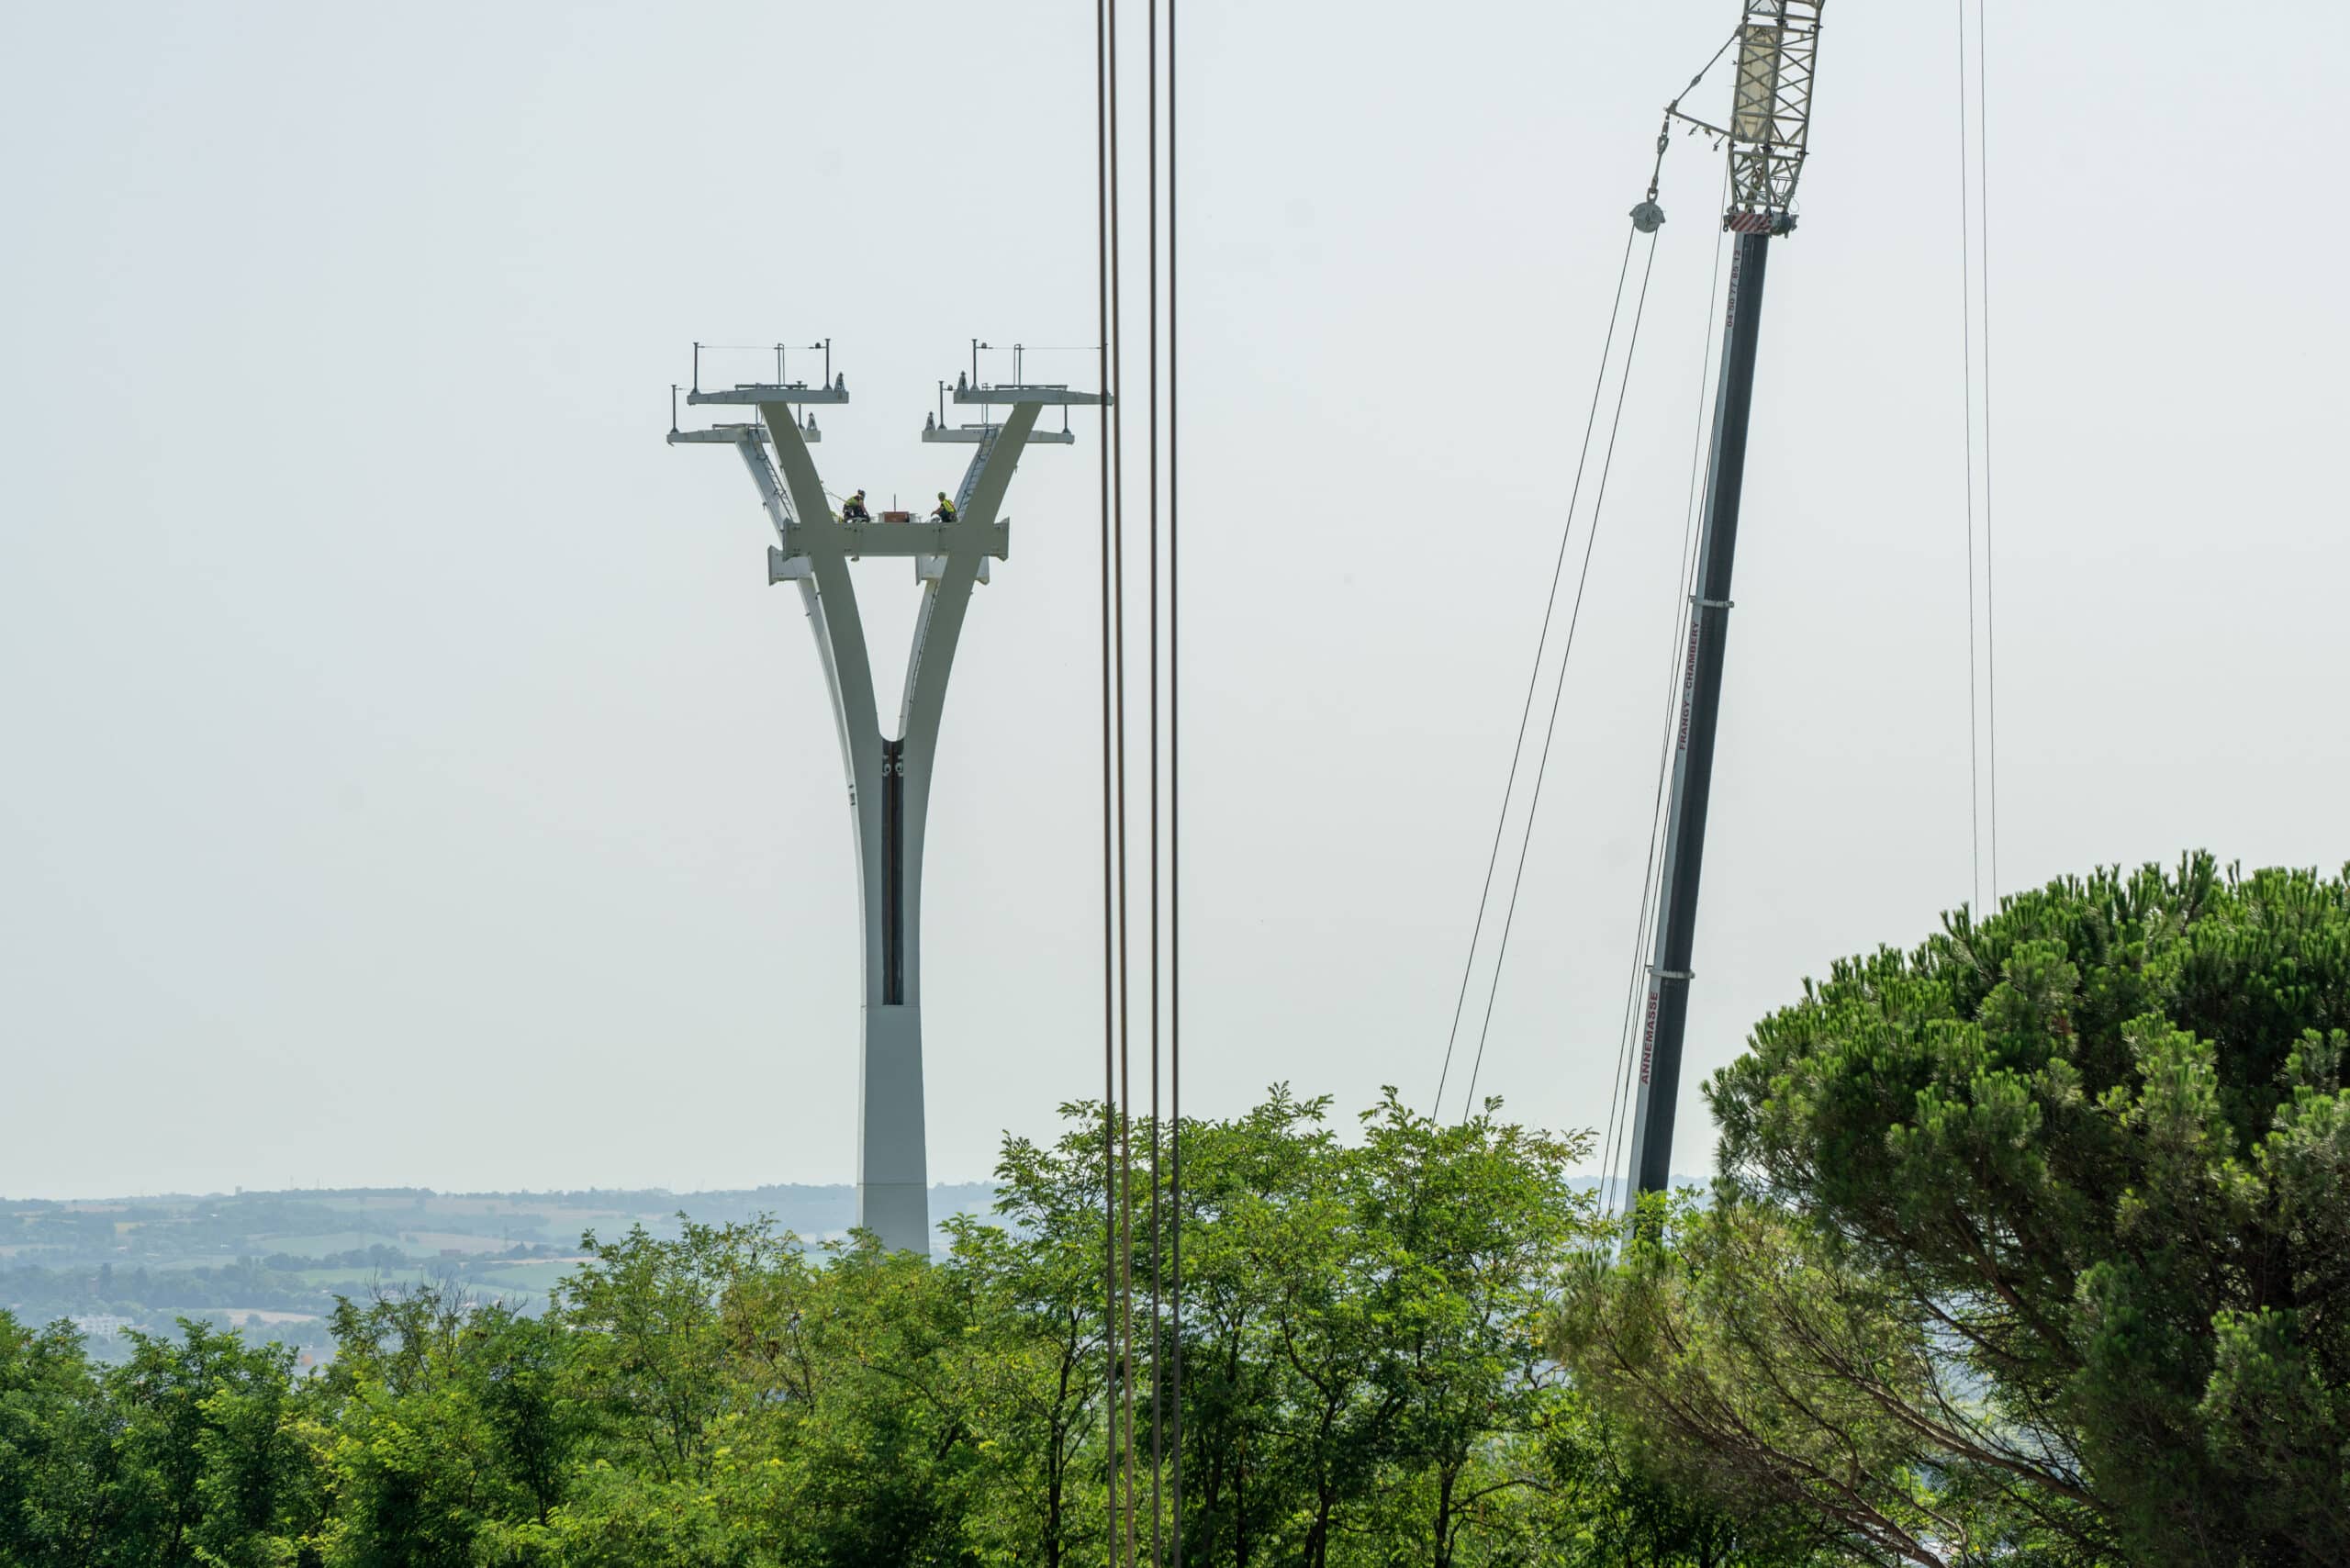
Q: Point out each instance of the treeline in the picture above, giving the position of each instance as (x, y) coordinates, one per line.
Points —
(274, 1283)
(1365, 1380)
(202, 1225)
(35, 1292)
(241, 1224)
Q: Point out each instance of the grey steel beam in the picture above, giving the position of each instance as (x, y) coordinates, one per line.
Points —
(975, 435)
(728, 435)
(761, 394)
(1055, 397)
(909, 538)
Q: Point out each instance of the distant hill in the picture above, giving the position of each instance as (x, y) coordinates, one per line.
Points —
(275, 1261)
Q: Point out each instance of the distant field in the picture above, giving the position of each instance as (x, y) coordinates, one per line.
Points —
(456, 1241)
(534, 1278)
(348, 1280)
(324, 1243)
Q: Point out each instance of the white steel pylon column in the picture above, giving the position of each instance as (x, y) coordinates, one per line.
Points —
(889, 778)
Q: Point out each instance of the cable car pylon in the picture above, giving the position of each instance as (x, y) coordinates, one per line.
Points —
(889, 776)
(1768, 135)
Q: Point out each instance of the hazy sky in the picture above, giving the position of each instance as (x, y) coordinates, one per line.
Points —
(409, 777)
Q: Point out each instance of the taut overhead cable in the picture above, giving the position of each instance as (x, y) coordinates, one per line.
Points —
(1143, 1398)
(1534, 676)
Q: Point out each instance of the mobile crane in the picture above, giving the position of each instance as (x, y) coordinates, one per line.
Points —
(1768, 137)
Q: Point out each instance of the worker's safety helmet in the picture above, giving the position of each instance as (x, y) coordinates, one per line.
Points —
(942, 495)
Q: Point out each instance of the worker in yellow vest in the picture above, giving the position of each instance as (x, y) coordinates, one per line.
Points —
(853, 509)
(945, 509)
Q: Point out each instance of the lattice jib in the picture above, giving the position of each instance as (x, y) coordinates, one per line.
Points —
(1771, 110)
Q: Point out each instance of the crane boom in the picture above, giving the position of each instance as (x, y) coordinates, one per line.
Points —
(1769, 133)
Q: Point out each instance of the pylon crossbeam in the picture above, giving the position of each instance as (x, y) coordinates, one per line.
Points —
(855, 539)
(728, 435)
(762, 393)
(974, 434)
(1039, 396)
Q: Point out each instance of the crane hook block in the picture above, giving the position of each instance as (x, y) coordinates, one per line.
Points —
(1648, 218)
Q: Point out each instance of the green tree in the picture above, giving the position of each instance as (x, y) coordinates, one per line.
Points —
(1362, 1334)
(1467, 1224)
(1756, 1366)
(209, 1472)
(753, 1402)
(2030, 1239)
(1038, 1353)
(61, 1492)
(447, 1434)
(1366, 1376)
(185, 1454)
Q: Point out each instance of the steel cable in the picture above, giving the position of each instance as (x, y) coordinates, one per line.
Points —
(1966, 396)
(1124, 1409)
(1534, 674)
(1123, 1454)
(1990, 603)
(1574, 618)
(1158, 1414)
(1174, 804)
(1113, 928)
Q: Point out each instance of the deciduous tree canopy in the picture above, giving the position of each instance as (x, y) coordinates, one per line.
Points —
(1364, 1384)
